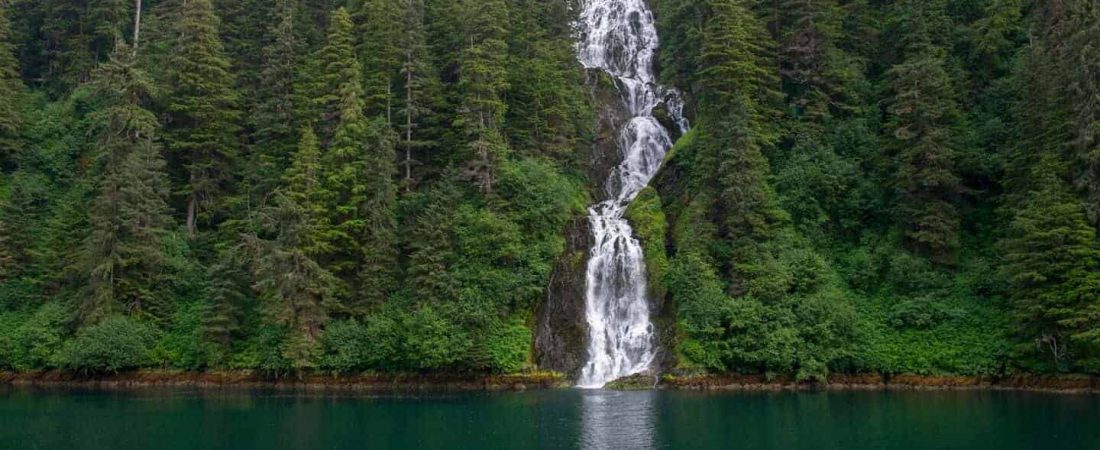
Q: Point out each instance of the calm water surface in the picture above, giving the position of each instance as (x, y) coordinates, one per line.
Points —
(566, 419)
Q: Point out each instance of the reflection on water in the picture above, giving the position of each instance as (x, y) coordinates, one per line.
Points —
(567, 419)
(618, 420)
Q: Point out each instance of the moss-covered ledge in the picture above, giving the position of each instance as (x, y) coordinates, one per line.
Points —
(647, 218)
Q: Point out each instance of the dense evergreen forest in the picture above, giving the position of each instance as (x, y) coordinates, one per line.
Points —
(907, 186)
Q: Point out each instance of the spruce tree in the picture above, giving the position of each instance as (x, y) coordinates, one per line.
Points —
(738, 86)
(814, 71)
(227, 292)
(125, 252)
(335, 66)
(81, 34)
(1052, 258)
(303, 185)
(381, 24)
(11, 90)
(274, 117)
(419, 87)
(244, 31)
(298, 289)
(1082, 72)
(359, 170)
(483, 80)
(202, 123)
(922, 117)
(430, 246)
(545, 103)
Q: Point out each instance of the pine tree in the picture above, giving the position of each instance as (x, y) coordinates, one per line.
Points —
(275, 114)
(381, 25)
(81, 33)
(483, 80)
(814, 70)
(545, 102)
(125, 253)
(203, 118)
(738, 87)
(921, 124)
(359, 170)
(1082, 72)
(11, 90)
(430, 246)
(1053, 261)
(333, 68)
(419, 85)
(288, 273)
(304, 186)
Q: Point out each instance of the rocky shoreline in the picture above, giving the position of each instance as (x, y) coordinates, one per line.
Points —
(252, 380)
(1069, 384)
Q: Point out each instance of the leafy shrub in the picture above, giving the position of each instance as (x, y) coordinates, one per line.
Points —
(922, 313)
(508, 345)
(347, 346)
(184, 345)
(116, 344)
(430, 341)
(30, 341)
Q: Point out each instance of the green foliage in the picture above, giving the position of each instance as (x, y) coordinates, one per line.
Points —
(483, 80)
(358, 171)
(650, 225)
(381, 22)
(202, 108)
(903, 187)
(33, 340)
(347, 346)
(125, 255)
(116, 344)
(184, 345)
(274, 114)
(922, 117)
(509, 347)
(12, 90)
(969, 338)
(1053, 262)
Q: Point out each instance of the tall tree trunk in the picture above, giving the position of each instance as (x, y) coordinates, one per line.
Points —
(137, 25)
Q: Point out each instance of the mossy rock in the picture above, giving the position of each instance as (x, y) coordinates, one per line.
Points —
(637, 382)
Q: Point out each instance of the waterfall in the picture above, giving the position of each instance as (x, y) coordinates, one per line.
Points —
(620, 38)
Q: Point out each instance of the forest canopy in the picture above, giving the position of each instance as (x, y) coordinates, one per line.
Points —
(905, 186)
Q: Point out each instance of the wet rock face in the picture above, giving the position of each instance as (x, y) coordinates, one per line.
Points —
(561, 334)
(612, 116)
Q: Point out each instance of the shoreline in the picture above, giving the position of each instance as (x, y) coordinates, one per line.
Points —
(141, 379)
(1065, 384)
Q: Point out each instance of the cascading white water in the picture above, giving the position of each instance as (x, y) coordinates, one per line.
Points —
(619, 37)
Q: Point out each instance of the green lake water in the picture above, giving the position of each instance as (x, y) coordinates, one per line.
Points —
(560, 419)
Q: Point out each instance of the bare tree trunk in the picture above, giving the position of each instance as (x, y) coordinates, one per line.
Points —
(408, 121)
(389, 103)
(191, 207)
(137, 24)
